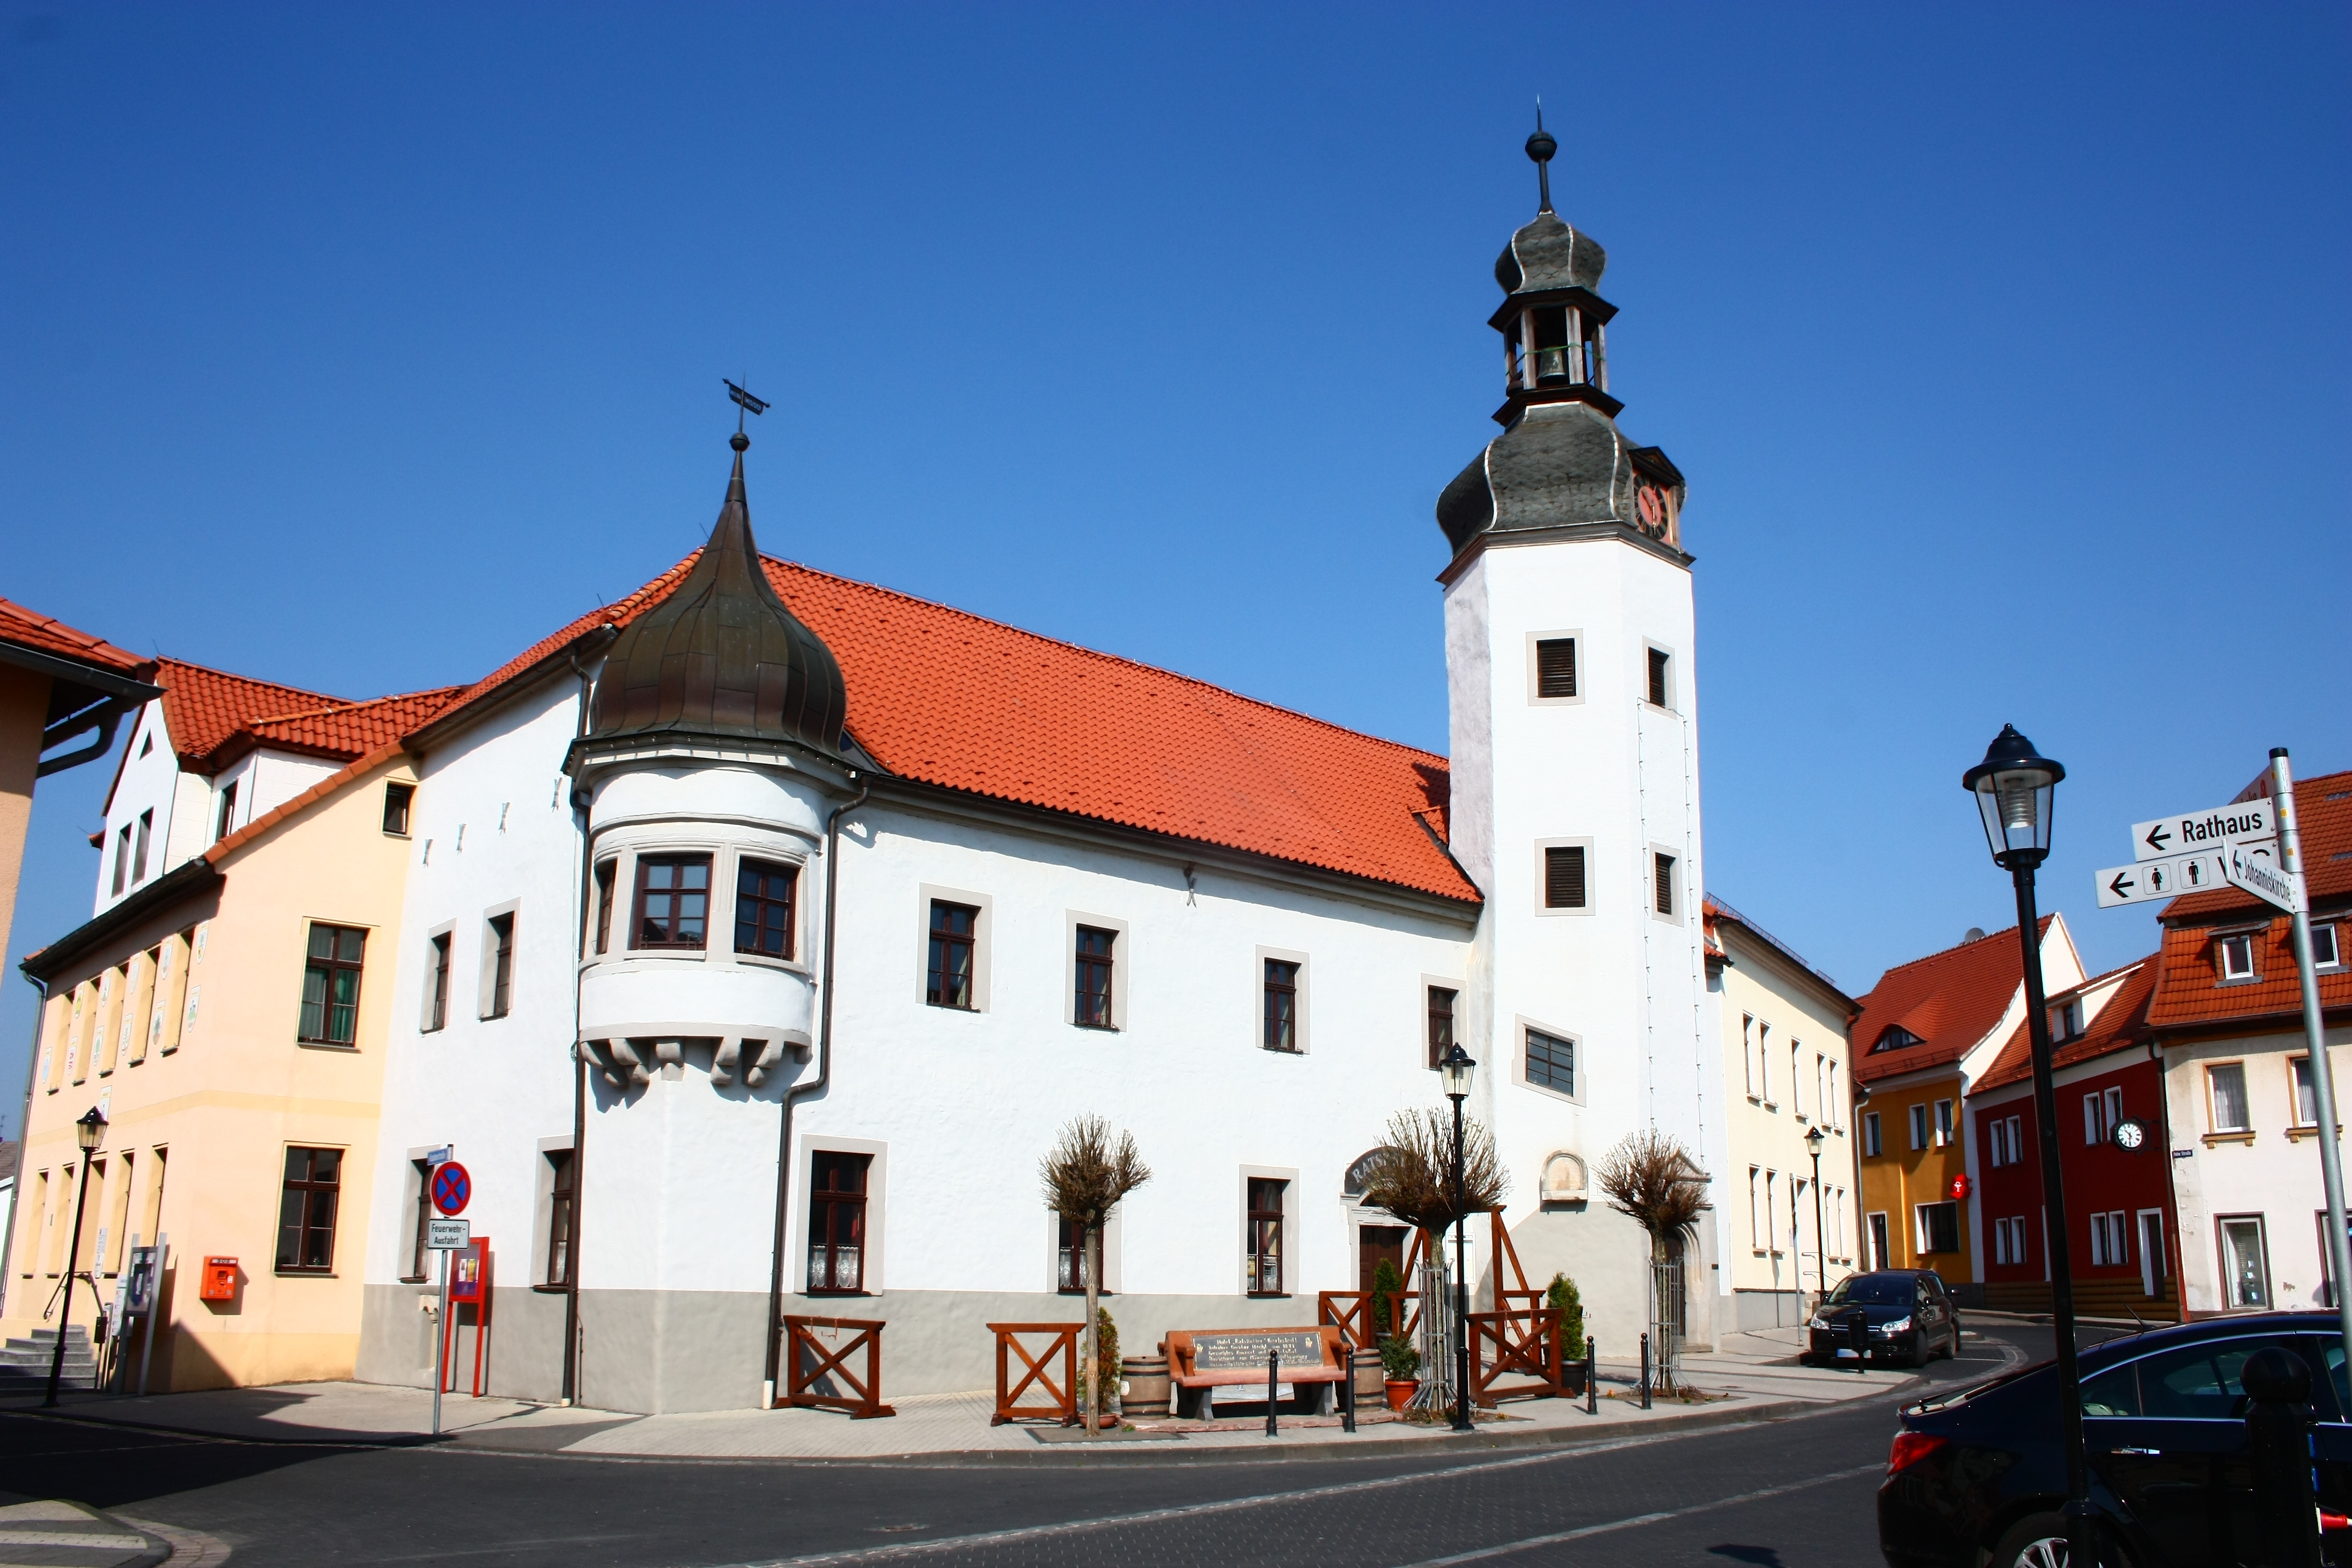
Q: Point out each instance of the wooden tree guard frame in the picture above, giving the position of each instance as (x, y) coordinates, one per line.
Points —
(864, 1334)
(1350, 1310)
(1505, 1343)
(1064, 1408)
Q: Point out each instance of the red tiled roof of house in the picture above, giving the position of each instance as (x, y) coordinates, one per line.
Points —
(46, 634)
(2122, 1022)
(2323, 812)
(1951, 1000)
(358, 767)
(947, 698)
(206, 708)
(351, 729)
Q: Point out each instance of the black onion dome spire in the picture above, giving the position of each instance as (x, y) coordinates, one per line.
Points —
(1562, 463)
(722, 655)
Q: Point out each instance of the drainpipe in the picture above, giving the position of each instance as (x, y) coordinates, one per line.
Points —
(800, 1090)
(570, 1392)
(23, 1125)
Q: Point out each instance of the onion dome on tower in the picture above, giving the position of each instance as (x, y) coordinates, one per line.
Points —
(1561, 461)
(720, 659)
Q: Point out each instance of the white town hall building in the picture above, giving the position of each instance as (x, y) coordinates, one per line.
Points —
(764, 930)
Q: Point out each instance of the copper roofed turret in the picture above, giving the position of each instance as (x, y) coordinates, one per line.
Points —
(721, 656)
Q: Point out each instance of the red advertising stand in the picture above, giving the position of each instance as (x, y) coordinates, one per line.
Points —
(469, 1286)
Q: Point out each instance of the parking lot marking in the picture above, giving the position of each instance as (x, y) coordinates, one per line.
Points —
(1636, 1520)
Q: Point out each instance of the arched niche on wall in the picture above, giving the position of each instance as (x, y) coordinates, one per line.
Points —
(1564, 1178)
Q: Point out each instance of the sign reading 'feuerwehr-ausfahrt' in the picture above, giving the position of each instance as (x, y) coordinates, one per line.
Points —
(2143, 880)
(448, 1234)
(2240, 822)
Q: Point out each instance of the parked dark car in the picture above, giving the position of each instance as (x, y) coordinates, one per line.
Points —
(1984, 1471)
(1908, 1311)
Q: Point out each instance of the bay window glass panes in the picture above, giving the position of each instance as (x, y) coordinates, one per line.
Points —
(2228, 1081)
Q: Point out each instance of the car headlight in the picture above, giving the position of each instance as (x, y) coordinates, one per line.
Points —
(1899, 1326)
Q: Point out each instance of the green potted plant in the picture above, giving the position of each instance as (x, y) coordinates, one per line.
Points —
(1400, 1363)
(1568, 1334)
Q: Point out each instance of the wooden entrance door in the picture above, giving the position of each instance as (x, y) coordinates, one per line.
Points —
(1374, 1242)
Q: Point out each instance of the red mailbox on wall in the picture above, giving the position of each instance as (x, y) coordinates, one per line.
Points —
(220, 1280)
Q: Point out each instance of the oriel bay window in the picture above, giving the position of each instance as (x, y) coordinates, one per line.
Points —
(606, 872)
(1262, 1264)
(306, 1211)
(953, 928)
(672, 901)
(836, 1223)
(331, 987)
(765, 894)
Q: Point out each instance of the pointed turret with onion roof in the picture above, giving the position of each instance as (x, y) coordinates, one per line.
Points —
(720, 658)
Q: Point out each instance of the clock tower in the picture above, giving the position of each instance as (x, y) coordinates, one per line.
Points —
(1573, 684)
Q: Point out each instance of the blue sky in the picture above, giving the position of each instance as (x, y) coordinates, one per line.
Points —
(2005, 348)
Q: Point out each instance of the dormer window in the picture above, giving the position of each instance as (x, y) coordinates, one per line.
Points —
(1895, 1038)
(2066, 1020)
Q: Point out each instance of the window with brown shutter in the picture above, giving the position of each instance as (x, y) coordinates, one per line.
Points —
(1659, 661)
(1564, 876)
(1556, 667)
(1665, 883)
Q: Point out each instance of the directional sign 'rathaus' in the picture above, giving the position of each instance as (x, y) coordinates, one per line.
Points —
(2238, 823)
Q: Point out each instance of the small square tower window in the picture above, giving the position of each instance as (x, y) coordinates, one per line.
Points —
(396, 799)
(1662, 692)
(1556, 667)
(2236, 953)
(1564, 876)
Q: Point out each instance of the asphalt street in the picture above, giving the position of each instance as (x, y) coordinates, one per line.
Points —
(1799, 1490)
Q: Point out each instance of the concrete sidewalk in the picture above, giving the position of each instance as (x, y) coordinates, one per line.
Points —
(1752, 1376)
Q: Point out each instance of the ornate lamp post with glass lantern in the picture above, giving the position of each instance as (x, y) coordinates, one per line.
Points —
(1458, 1069)
(1815, 1139)
(89, 1132)
(2014, 789)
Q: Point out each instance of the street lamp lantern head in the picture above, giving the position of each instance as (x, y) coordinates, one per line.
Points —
(2015, 787)
(1458, 1069)
(89, 1132)
(1815, 1139)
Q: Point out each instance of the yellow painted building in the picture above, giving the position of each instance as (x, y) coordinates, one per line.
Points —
(229, 1020)
(1927, 1030)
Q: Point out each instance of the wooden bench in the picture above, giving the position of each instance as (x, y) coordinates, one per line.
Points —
(1205, 1361)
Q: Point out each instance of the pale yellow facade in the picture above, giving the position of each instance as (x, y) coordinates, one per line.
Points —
(181, 1014)
(1787, 1064)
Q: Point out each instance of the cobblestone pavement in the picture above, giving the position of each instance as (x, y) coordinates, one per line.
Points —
(1797, 1490)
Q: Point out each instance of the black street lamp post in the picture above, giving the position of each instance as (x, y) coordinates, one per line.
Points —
(2014, 789)
(1458, 1069)
(1815, 1139)
(89, 1131)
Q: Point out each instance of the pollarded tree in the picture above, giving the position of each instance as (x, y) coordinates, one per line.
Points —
(1650, 1178)
(1085, 1176)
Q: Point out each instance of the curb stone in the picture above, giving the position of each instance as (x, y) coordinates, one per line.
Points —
(54, 1532)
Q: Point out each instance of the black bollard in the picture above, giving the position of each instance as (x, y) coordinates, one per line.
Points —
(1645, 1371)
(1857, 1325)
(2278, 1431)
(1591, 1379)
(1273, 1381)
(1347, 1387)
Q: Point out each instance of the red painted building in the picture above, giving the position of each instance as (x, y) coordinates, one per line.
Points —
(2122, 1236)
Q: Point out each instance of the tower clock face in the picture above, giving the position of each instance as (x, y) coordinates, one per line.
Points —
(2131, 1133)
(1654, 509)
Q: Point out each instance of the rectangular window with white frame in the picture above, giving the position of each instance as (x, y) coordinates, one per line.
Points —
(496, 998)
(1764, 1063)
(1756, 1222)
(1796, 1079)
(2233, 956)
(1094, 982)
(1548, 1060)
(1919, 1126)
(2306, 1093)
(1872, 1142)
(2324, 953)
(1772, 1206)
(1282, 1001)
(1943, 1123)
(1748, 1053)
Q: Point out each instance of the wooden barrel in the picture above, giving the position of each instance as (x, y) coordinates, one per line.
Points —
(1369, 1378)
(1146, 1377)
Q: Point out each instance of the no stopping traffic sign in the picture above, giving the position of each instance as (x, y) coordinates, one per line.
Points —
(451, 1188)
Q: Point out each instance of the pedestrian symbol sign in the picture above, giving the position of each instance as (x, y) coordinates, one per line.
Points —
(451, 1188)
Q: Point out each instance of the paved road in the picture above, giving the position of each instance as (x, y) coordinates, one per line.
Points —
(1790, 1493)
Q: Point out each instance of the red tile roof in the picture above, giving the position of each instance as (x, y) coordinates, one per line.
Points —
(2122, 1022)
(351, 729)
(947, 698)
(206, 708)
(45, 634)
(1951, 1000)
(357, 768)
(2191, 993)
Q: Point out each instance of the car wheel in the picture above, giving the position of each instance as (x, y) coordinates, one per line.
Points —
(2039, 1540)
(1921, 1354)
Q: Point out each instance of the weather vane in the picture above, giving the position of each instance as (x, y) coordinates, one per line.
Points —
(743, 401)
